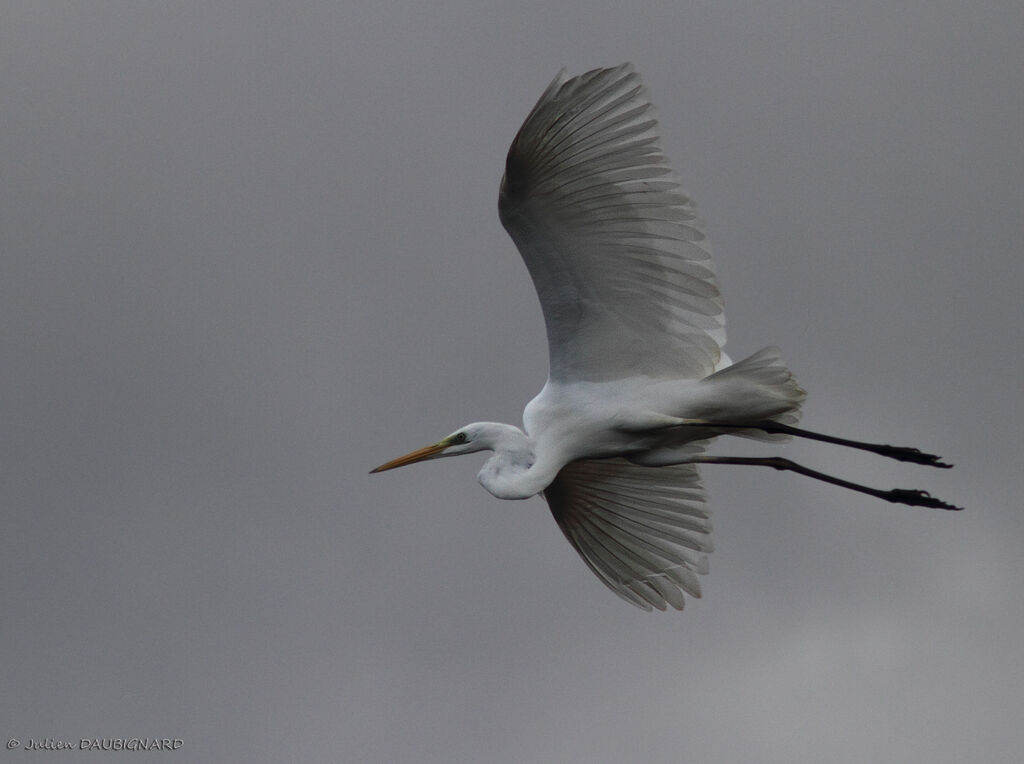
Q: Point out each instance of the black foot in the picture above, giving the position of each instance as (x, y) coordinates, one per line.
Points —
(917, 499)
(915, 455)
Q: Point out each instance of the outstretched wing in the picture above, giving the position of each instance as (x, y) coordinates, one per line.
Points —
(618, 256)
(643, 530)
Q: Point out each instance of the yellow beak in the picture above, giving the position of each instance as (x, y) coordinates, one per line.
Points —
(416, 456)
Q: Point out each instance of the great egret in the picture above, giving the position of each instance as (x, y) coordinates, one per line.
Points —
(638, 383)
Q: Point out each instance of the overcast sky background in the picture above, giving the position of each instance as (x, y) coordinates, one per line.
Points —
(250, 250)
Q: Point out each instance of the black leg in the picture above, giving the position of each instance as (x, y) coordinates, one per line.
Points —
(902, 453)
(910, 497)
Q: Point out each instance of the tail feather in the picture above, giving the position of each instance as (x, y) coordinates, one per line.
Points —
(766, 370)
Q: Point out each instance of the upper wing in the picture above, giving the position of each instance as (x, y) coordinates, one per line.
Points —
(642, 530)
(618, 256)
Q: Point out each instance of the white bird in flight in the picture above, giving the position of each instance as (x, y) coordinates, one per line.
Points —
(638, 384)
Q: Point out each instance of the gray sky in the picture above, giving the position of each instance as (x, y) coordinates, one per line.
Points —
(251, 250)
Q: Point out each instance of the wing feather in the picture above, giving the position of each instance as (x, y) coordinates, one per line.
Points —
(619, 258)
(643, 531)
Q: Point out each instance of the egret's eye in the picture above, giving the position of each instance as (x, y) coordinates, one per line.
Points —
(460, 438)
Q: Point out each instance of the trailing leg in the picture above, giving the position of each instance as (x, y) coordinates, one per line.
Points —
(906, 496)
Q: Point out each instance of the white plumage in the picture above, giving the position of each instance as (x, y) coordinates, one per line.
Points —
(638, 383)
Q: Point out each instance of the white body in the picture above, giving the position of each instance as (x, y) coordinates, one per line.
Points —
(649, 422)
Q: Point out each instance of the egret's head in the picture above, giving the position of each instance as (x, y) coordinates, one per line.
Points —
(462, 441)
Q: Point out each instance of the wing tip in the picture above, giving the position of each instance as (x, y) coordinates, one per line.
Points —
(562, 90)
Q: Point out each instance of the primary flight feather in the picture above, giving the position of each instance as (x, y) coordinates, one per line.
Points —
(637, 382)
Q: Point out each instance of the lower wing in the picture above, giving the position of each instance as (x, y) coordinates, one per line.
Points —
(644, 531)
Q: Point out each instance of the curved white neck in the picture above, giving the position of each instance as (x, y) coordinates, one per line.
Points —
(513, 471)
